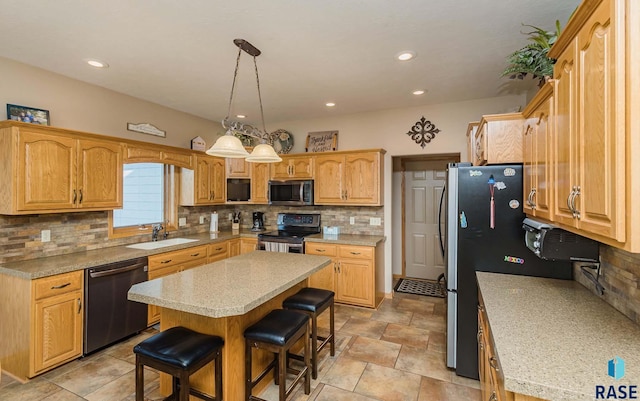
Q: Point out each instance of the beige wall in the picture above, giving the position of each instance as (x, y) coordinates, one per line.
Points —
(80, 106)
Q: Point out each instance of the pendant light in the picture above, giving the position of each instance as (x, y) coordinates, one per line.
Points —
(229, 145)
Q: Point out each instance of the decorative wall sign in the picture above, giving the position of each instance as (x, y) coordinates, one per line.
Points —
(423, 132)
(282, 141)
(324, 141)
(198, 143)
(146, 128)
(27, 114)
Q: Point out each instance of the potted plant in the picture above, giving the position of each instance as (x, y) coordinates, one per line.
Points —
(532, 59)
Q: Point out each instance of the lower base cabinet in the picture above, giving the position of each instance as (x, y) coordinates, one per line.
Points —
(354, 274)
(41, 324)
(491, 376)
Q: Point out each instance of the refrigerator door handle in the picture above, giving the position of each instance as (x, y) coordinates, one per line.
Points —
(444, 189)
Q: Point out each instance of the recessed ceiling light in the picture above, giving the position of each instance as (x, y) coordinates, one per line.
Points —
(330, 104)
(406, 55)
(418, 92)
(97, 63)
(241, 116)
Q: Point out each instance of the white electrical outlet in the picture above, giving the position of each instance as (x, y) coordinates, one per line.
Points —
(352, 220)
(201, 219)
(45, 235)
(182, 221)
(375, 221)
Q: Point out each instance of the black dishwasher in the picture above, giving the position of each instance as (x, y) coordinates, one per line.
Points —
(108, 315)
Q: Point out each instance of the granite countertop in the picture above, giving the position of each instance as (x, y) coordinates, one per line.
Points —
(49, 266)
(52, 265)
(554, 338)
(231, 286)
(347, 239)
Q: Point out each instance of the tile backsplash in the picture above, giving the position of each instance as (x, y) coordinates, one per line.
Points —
(78, 232)
(620, 276)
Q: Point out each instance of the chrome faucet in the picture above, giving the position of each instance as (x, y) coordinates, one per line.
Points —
(156, 230)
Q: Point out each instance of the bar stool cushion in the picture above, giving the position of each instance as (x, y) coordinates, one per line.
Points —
(308, 299)
(179, 346)
(276, 327)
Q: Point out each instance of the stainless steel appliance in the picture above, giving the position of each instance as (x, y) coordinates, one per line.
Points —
(292, 228)
(549, 242)
(238, 190)
(483, 232)
(108, 315)
(291, 192)
(258, 221)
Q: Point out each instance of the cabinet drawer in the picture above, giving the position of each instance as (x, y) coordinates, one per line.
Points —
(58, 284)
(218, 249)
(321, 249)
(356, 252)
(178, 257)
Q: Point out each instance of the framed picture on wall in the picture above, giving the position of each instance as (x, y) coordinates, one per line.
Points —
(28, 114)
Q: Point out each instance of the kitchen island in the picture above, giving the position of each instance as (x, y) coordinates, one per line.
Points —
(224, 298)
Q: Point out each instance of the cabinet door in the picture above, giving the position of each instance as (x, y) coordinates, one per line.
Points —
(99, 174)
(564, 135)
(46, 172)
(248, 245)
(542, 168)
(238, 168)
(362, 178)
(601, 198)
(202, 184)
(281, 170)
(328, 183)
(324, 278)
(153, 311)
(218, 181)
(57, 330)
(528, 168)
(260, 183)
(355, 282)
(302, 167)
(234, 247)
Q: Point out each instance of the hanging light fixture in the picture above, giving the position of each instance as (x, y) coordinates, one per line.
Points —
(229, 145)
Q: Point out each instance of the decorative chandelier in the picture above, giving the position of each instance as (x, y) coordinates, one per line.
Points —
(229, 145)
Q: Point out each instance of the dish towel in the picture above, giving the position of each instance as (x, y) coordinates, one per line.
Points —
(276, 247)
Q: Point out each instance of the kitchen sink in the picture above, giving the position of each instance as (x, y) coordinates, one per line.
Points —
(161, 244)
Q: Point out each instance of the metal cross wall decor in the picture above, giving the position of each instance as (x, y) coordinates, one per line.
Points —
(423, 132)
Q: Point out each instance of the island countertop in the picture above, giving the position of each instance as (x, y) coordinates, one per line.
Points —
(554, 338)
(231, 286)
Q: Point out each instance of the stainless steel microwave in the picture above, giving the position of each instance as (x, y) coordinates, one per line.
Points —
(291, 192)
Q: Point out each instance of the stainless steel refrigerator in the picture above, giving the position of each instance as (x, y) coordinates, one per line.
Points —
(483, 232)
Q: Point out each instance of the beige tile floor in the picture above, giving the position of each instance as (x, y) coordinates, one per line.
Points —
(395, 353)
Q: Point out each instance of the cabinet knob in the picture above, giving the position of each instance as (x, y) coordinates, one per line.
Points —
(493, 362)
(75, 196)
(79, 305)
(80, 200)
(57, 287)
(166, 261)
(195, 254)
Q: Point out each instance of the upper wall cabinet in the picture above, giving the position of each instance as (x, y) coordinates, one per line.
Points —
(47, 170)
(205, 184)
(149, 153)
(472, 128)
(595, 139)
(537, 153)
(293, 168)
(238, 168)
(498, 139)
(349, 178)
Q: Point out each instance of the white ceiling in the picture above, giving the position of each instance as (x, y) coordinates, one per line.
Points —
(181, 53)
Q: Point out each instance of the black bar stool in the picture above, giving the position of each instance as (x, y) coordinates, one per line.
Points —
(277, 332)
(314, 301)
(179, 352)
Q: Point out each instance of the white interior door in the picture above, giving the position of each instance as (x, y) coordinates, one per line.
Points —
(423, 190)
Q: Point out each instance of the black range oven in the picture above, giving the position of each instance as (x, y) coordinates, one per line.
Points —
(292, 228)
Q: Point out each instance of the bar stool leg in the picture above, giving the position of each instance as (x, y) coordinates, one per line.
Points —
(218, 377)
(307, 362)
(332, 343)
(248, 375)
(185, 387)
(314, 343)
(282, 374)
(139, 380)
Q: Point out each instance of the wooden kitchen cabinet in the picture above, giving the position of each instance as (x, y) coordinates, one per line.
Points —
(293, 168)
(138, 152)
(537, 182)
(53, 170)
(205, 184)
(589, 138)
(220, 250)
(498, 139)
(260, 183)
(472, 128)
(248, 245)
(167, 263)
(238, 168)
(355, 274)
(349, 178)
(42, 321)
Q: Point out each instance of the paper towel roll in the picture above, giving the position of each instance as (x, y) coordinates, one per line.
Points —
(213, 228)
